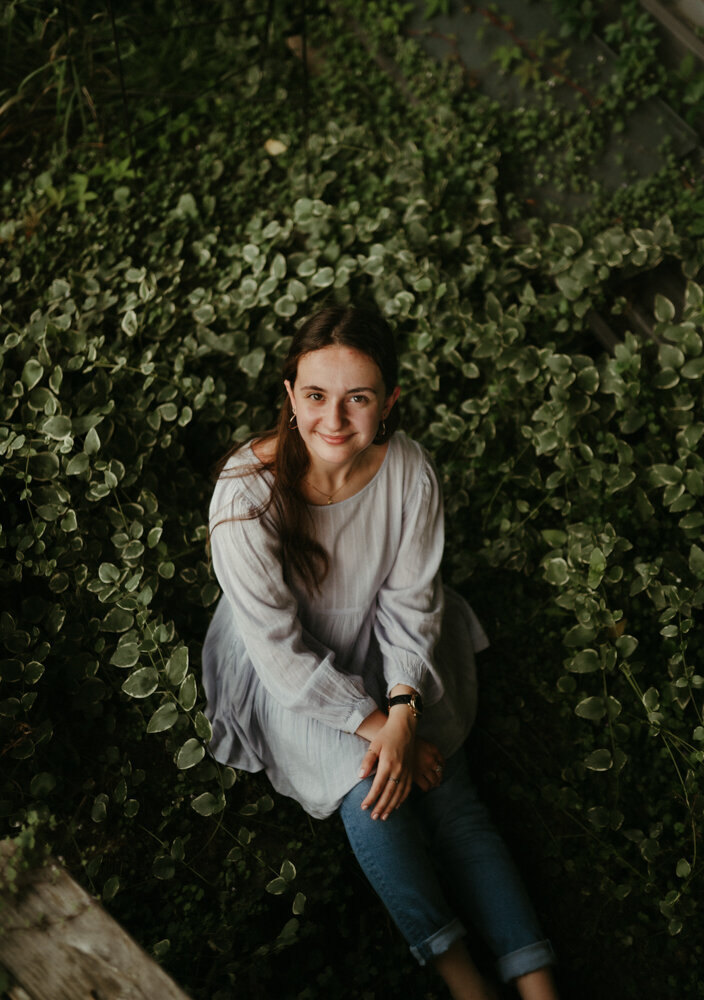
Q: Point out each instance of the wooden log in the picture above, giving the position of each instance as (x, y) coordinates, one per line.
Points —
(680, 31)
(59, 944)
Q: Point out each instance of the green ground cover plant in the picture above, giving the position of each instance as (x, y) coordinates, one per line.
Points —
(146, 306)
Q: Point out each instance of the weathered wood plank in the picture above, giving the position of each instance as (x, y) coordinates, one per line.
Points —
(676, 27)
(59, 944)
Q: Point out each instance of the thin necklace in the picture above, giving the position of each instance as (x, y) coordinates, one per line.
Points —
(330, 496)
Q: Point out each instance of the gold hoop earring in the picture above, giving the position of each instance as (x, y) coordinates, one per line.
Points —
(293, 423)
(381, 432)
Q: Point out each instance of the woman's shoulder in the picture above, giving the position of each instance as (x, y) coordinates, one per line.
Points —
(408, 454)
(244, 481)
(410, 462)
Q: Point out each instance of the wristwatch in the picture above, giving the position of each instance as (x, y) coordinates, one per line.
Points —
(414, 702)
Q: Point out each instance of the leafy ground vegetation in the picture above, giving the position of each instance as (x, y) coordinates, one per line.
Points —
(167, 219)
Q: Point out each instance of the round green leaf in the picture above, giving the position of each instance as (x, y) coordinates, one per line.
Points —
(33, 671)
(277, 886)
(110, 888)
(141, 683)
(288, 871)
(285, 306)
(99, 810)
(204, 314)
(626, 645)
(694, 368)
(228, 776)
(161, 948)
(584, 662)
(665, 475)
(664, 309)
(163, 867)
(92, 442)
(168, 411)
(163, 719)
(556, 572)
(598, 760)
(206, 804)
(78, 464)
(177, 667)
(42, 783)
(651, 699)
(597, 567)
(69, 522)
(154, 536)
(278, 266)
(253, 362)
(323, 278)
(598, 815)
(126, 655)
(44, 465)
(129, 323)
(133, 550)
(190, 754)
(203, 727)
(696, 561)
(32, 373)
(578, 635)
(554, 537)
(591, 708)
(108, 573)
(57, 427)
(117, 620)
(188, 693)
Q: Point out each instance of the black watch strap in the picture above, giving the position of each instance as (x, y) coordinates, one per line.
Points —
(414, 702)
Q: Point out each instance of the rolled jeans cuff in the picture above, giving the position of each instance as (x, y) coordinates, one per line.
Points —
(524, 960)
(438, 942)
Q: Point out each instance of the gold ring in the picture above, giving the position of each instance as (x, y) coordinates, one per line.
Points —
(396, 781)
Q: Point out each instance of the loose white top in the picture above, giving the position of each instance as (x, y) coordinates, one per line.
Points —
(289, 676)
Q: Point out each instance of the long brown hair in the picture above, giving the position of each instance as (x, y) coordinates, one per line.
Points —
(345, 326)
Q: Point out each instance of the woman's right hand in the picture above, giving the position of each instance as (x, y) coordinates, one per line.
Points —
(428, 764)
(391, 750)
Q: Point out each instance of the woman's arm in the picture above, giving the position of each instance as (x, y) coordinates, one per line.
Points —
(410, 601)
(300, 675)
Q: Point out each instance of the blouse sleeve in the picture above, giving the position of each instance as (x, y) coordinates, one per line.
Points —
(247, 561)
(410, 601)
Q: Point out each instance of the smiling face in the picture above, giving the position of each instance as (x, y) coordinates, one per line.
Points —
(339, 399)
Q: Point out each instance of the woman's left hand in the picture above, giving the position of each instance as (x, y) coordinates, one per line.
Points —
(391, 750)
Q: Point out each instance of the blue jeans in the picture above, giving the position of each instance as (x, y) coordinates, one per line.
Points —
(439, 860)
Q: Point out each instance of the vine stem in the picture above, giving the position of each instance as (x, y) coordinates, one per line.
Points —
(509, 28)
(125, 105)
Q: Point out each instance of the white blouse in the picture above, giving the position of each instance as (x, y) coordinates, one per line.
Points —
(289, 676)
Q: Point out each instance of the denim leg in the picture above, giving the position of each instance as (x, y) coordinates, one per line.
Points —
(476, 865)
(393, 855)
